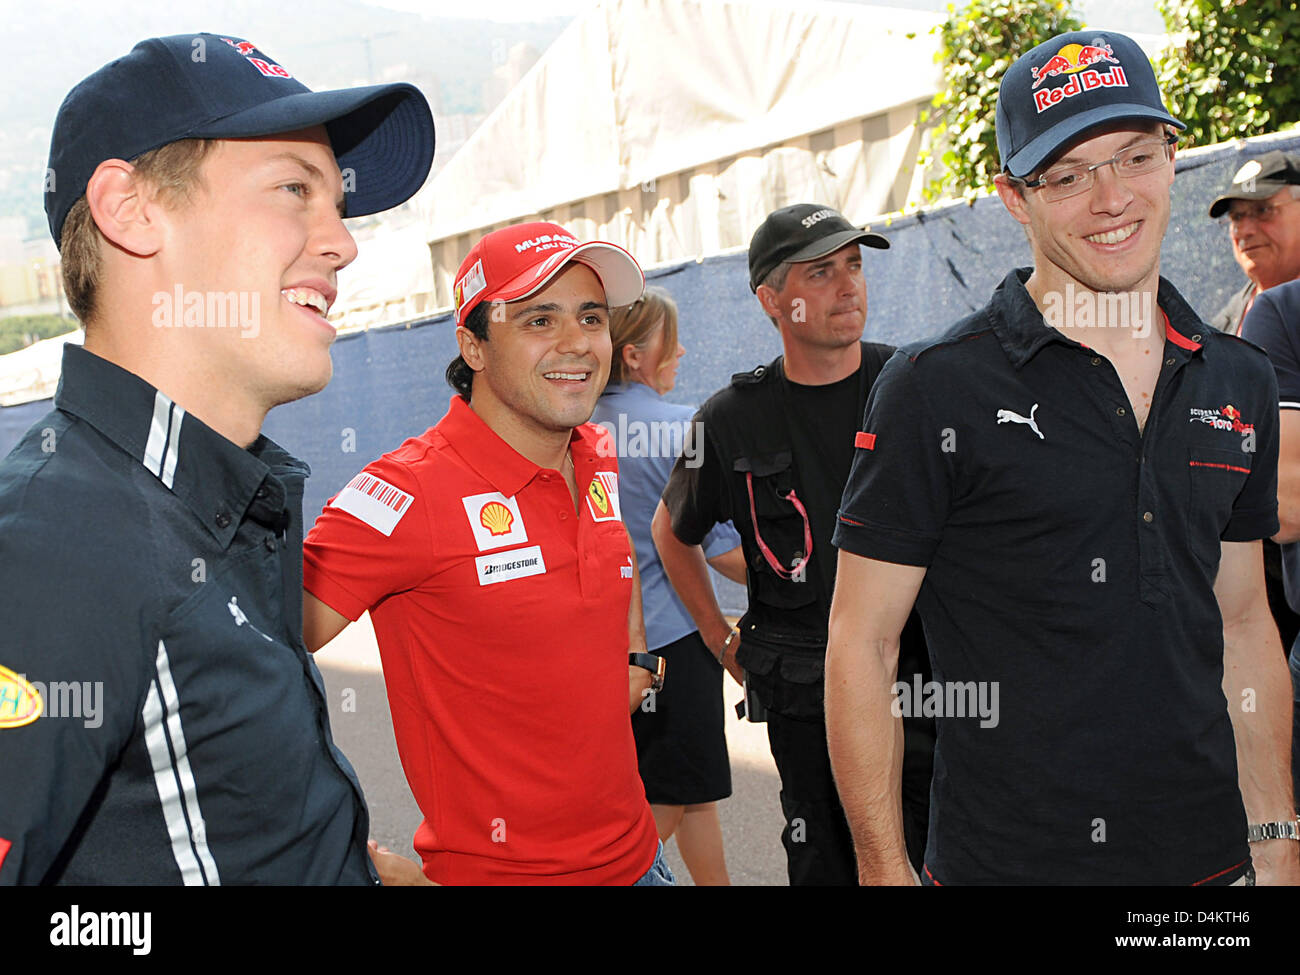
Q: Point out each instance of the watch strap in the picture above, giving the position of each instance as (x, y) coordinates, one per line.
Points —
(652, 662)
(1283, 830)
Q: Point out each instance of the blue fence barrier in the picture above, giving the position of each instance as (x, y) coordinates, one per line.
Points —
(388, 382)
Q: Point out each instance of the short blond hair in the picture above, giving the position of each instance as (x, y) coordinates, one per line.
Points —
(173, 171)
(635, 325)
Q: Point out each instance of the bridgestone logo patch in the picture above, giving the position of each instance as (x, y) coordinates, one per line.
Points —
(515, 564)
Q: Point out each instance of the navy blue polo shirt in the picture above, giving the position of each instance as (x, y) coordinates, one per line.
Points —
(152, 573)
(1071, 560)
(1273, 323)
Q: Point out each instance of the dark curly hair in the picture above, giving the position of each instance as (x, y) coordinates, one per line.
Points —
(459, 375)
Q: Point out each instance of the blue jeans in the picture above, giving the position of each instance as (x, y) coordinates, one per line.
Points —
(659, 874)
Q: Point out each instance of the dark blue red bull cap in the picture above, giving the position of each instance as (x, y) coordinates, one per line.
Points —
(1057, 92)
(218, 86)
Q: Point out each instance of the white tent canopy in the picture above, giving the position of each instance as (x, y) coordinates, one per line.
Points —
(641, 105)
(33, 373)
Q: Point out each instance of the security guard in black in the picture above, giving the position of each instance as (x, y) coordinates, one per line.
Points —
(772, 456)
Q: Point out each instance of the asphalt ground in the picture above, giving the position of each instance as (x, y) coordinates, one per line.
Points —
(363, 729)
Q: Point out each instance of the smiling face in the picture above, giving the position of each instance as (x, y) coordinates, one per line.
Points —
(1268, 250)
(545, 360)
(1106, 239)
(823, 303)
(264, 225)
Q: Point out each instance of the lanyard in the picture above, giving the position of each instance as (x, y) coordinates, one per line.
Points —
(787, 410)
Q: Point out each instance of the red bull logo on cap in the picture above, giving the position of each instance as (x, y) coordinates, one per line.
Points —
(1075, 60)
(268, 67)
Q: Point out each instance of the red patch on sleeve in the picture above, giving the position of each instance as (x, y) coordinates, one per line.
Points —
(867, 441)
(4, 849)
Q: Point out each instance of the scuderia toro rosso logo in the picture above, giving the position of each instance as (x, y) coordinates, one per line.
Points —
(1225, 418)
(1075, 60)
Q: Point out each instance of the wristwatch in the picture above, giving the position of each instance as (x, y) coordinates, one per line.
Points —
(654, 663)
(1284, 830)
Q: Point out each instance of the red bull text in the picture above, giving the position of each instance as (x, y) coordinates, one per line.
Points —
(1075, 60)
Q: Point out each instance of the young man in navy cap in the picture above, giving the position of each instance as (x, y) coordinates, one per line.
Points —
(774, 450)
(491, 554)
(149, 535)
(1071, 485)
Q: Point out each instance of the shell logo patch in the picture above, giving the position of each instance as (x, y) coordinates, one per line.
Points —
(495, 520)
(602, 497)
(20, 702)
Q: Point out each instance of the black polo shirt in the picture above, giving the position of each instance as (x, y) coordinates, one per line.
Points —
(1076, 570)
(766, 435)
(152, 573)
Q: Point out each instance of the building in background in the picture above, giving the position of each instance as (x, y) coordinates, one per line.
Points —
(673, 126)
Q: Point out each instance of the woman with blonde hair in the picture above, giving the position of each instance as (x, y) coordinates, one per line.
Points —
(680, 741)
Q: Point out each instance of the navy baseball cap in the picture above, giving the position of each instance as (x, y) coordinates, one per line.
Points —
(802, 232)
(1054, 94)
(217, 86)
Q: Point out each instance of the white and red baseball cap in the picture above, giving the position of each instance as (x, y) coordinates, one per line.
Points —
(512, 263)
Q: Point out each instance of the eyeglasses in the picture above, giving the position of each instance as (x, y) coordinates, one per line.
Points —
(1261, 212)
(1061, 184)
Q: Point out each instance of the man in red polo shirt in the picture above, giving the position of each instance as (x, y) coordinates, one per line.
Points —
(491, 556)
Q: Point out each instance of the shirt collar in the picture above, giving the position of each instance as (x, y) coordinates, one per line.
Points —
(629, 389)
(219, 481)
(507, 470)
(1020, 328)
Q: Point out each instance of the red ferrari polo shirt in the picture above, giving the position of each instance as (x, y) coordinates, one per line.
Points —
(501, 619)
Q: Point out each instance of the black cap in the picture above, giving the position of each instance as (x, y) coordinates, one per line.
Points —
(802, 232)
(1260, 178)
(217, 86)
(1053, 94)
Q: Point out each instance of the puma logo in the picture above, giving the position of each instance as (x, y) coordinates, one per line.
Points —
(241, 619)
(1007, 416)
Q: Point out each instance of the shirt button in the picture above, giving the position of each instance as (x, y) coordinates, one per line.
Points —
(1148, 517)
(563, 515)
(1096, 360)
(1196, 338)
(260, 493)
(1169, 362)
(222, 519)
(1120, 411)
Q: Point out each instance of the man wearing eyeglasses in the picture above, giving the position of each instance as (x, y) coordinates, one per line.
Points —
(1071, 485)
(1264, 224)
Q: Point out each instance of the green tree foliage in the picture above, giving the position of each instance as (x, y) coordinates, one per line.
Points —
(20, 331)
(1230, 69)
(978, 44)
